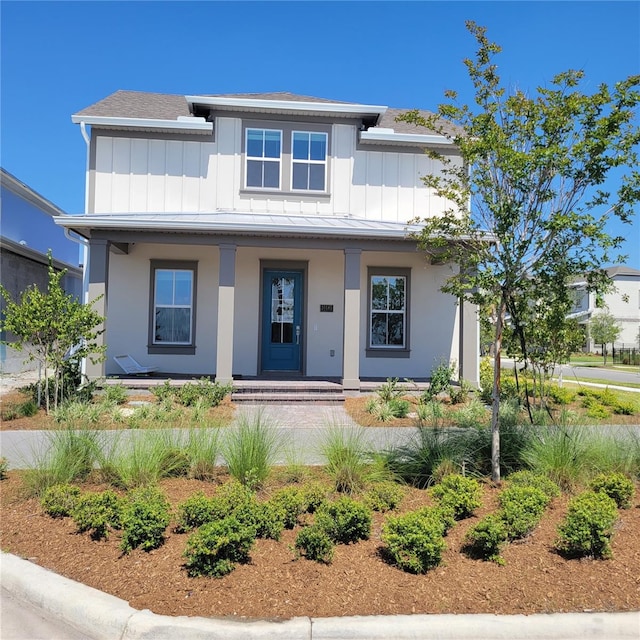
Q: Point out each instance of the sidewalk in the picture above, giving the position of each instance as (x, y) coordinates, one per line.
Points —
(100, 616)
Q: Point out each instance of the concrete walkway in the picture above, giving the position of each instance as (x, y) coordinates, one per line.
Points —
(100, 616)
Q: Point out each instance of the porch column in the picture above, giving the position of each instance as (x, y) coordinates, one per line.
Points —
(469, 343)
(98, 286)
(351, 346)
(226, 295)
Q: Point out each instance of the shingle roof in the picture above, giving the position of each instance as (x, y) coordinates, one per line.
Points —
(622, 271)
(162, 106)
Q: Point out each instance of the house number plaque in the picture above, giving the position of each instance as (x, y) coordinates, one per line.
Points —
(326, 308)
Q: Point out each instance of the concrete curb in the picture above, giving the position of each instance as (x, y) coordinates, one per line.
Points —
(105, 617)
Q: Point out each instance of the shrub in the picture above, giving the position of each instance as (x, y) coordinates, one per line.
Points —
(588, 526)
(470, 415)
(617, 486)
(229, 498)
(439, 380)
(268, 520)
(164, 392)
(522, 508)
(145, 516)
(345, 520)
(96, 512)
(315, 494)
(193, 512)
(216, 547)
(486, 539)
(383, 496)
(210, 393)
(531, 479)
(291, 502)
(315, 544)
(625, 408)
(414, 541)
(115, 393)
(60, 500)
(460, 394)
(390, 391)
(460, 494)
(4, 466)
(597, 411)
(399, 407)
(561, 395)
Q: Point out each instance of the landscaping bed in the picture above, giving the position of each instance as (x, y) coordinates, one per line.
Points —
(276, 585)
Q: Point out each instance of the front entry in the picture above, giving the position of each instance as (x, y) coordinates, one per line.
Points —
(282, 320)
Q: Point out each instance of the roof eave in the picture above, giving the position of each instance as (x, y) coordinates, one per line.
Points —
(181, 124)
(390, 137)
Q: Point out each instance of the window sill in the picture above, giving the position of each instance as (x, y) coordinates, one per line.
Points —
(388, 353)
(315, 195)
(177, 350)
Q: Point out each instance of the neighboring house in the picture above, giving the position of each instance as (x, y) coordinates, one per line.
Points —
(623, 302)
(266, 234)
(27, 233)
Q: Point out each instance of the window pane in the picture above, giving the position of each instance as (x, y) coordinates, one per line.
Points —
(396, 293)
(300, 176)
(173, 325)
(254, 173)
(164, 286)
(271, 144)
(272, 175)
(395, 329)
(255, 143)
(183, 288)
(318, 146)
(379, 292)
(316, 177)
(378, 329)
(301, 146)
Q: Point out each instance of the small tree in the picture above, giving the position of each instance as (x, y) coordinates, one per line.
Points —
(527, 205)
(50, 326)
(604, 330)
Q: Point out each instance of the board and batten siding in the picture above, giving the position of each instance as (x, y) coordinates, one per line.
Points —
(161, 175)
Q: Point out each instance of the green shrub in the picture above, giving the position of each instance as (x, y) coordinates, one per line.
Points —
(291, 502)
(532, 479)
(60, 500)
(193, 512)
(522, 508)
(439, 380)
(414, 541)
(486, 539)
(4, 466)
(597, 411)
(617, 486)
(345, 520)
(210, 393)
(216, 548)
(625, 408)
(315, 494)
(390, 391)
(588, 526)
(164, 392)
(470, 415)
(399, 407)
(97, 512)
(115, 393)
(28, 409)
(268, 520)
(230, 497)
(145, 516)
(383, 496)
(315, 544)
(460, 394)
(561, 395)
(462, 495)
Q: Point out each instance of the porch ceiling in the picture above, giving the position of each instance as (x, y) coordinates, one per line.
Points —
(232, 223)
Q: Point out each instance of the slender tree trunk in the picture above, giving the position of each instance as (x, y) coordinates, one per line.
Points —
(495, 395)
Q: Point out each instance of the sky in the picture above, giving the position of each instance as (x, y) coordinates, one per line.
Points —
(58, 57)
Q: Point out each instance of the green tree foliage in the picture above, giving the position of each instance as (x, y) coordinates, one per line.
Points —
(604, 330)
(49, 324)
(527, 202)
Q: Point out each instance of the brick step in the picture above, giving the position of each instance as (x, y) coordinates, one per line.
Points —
(287, 397)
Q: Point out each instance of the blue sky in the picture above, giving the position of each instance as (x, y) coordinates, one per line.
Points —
(59, 57)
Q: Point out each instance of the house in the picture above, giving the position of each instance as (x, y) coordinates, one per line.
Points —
(266, 235)
(27, 234)
(622, 302)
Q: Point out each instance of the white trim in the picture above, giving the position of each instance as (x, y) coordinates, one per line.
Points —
(385, 136)
(289, 105)
(188, 124)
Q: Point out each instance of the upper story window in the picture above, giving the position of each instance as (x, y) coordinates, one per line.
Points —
(309, 158)
(263, 153)
(286, 157)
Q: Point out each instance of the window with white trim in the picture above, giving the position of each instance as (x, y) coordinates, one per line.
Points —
(263, 150)
(309, 160)
(388, 293)
(172, 307)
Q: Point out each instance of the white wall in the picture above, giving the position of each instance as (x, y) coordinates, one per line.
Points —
(142, 175)
(624, 305)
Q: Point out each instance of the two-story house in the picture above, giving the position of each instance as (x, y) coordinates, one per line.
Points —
(266, 234)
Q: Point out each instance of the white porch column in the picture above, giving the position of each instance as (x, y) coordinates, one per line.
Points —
(469, 343)
(226, 297)
(351, 347)
(98, 286)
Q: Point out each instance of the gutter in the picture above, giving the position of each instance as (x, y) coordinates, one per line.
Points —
(181, 124)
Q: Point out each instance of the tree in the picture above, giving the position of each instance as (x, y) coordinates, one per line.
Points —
(49, 326)
(527, 206)
(604, 330)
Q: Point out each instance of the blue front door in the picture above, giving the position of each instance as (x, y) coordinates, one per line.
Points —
(281, 320)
